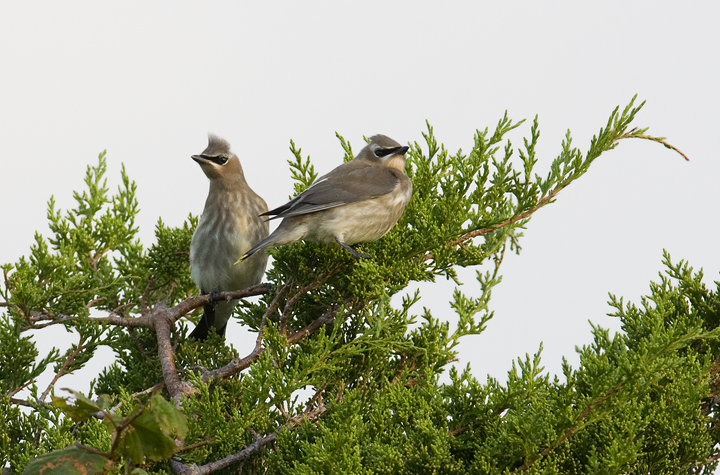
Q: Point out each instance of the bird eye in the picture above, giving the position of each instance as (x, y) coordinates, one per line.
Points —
(382, 152)
(222, 160)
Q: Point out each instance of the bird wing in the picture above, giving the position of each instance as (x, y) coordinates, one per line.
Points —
(349, 183)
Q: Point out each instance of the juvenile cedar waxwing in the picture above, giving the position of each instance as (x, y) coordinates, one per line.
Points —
(229, 226)
(359, 201)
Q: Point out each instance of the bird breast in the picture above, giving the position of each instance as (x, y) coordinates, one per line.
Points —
(225, 232)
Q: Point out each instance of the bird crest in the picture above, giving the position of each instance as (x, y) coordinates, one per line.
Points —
(216, 146)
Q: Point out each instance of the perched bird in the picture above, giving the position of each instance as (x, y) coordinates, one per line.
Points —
(359, 201)
(229, 226)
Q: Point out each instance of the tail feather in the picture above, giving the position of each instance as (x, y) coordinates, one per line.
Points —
(206, 324)
(267, 242)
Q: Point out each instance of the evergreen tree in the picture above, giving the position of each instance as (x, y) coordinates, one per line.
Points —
(341, 380)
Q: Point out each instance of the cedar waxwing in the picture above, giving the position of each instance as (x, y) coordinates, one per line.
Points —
(359, 201)
(229, 226)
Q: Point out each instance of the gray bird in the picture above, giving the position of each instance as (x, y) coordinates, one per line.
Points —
(229, 226)
(359, 201)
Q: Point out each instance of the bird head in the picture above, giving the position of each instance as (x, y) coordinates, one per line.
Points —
(217, 161)
(384, 151)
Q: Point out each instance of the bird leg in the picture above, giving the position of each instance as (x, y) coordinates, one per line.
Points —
(353, 251)
(213, 297)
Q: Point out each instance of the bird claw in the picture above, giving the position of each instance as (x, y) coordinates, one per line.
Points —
(354, 252)
(214, 296)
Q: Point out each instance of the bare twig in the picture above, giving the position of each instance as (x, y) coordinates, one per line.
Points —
(20, 388)
(712, 459)
(122, 426)
(61, 372)
(661, 140)
(157, 387)
(119, 311)
(91, 303)
(92, 450)
(146, 295)
(181, 469)
(239, 364)
(169, 292)
(30, 404)
(314, 326)
(271, 308)
(294, 299)
(282, 410)
(202, 443)
(512, 220)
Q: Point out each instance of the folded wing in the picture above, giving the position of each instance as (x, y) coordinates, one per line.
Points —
(346, 184)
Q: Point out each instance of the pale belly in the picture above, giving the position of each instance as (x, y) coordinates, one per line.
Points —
(354, 223)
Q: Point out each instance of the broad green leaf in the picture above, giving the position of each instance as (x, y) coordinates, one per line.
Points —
(70, 461)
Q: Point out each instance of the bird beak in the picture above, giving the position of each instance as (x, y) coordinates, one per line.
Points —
(199, 158)
(402, 150)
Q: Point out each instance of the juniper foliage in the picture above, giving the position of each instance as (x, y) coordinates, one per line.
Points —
(344, 380)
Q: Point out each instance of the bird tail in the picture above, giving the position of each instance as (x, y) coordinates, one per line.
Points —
(206, 325)
(267, 242)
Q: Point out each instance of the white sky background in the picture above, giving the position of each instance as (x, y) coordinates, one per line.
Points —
(148, 80)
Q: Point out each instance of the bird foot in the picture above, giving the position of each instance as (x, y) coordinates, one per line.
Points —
(354, 252)
(214, 296)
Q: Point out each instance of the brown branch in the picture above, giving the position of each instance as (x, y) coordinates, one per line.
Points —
(547, 199)
(23, 402)
(271, 308)
(282, 411)
(314, 326)
(181, 309)
(119, 310)
(181, 469)
(61, 372)
(294, 299)
(157, 387)
(146, 295)
(240, 364)
(202, 443)
(711, 459)
(162, 321)
(660, 140)
(93, 450)
(91, 303)
(20, 388)
(122, 426)
(512, 220)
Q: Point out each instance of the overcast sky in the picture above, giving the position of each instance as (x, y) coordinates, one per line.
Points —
(148, 80)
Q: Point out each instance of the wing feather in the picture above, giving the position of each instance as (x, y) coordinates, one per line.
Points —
(348, 183)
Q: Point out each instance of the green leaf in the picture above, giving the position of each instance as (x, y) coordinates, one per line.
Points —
(81, 409)
(70, 461)
(152, 434)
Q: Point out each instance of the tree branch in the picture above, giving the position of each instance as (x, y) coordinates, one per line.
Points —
(240, 364)
(163, 318)
(146, 320)
(181, 469)
(660, 140)
(294, 299)
(61, 372)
